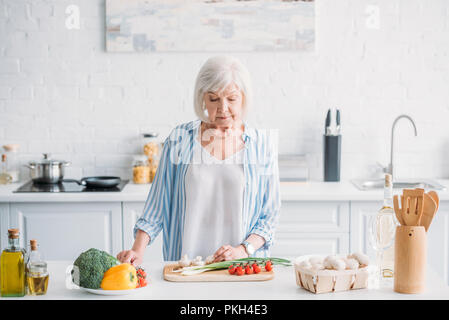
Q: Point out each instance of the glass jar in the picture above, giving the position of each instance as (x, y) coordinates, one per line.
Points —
(150, 145)
(141, 170)
(5, 177)
(37, 273)
(151, 149)
(12, 163)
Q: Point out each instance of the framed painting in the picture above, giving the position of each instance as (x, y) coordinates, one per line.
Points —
(209, 25)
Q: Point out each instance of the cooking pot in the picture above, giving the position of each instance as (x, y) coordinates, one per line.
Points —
(47, 170)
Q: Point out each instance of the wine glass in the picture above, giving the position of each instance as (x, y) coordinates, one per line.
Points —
(382, 230)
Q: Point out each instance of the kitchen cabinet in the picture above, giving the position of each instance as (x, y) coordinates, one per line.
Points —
(293, 245)
(4, 223)
(361, 211)
(64, 230)
(131, 213)
(312, 227)
(438, 242)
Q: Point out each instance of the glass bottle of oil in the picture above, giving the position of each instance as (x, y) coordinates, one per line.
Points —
(12, 267)
(37, 274)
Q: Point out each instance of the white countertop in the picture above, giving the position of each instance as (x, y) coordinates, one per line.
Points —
(282, 287)
(290, 191)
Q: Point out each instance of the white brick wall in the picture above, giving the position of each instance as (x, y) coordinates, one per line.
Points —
(60, 92)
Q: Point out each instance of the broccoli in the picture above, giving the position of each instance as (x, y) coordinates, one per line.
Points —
(89, 267)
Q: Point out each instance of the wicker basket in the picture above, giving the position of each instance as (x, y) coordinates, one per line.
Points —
(322, 281)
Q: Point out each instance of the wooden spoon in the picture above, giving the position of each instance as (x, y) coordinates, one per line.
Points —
(429, 210)
(412, 208)
(435, 197)
(397, 210)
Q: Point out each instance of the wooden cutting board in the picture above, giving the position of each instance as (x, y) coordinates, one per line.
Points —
(216, 275)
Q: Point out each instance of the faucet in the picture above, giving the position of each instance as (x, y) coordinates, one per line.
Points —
(390, 166)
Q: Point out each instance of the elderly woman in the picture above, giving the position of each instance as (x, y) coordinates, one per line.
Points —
(216, 190)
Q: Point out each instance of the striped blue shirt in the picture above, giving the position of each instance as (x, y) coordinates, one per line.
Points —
(165, 205)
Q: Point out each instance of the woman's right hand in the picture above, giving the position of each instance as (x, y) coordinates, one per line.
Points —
(130, 256)
(135, 255)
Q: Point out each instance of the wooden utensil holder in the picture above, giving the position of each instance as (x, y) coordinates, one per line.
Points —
(410, 259)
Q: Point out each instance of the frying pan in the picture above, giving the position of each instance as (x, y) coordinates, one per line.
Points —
(95, 182)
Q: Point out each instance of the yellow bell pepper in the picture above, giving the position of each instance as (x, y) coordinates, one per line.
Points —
(120, 277)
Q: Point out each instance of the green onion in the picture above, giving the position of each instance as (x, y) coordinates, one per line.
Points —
(225, 264)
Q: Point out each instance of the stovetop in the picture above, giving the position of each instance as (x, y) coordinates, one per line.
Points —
(67, 187)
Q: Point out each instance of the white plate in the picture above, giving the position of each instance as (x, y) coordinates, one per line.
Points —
(101, 291)
(113, 292)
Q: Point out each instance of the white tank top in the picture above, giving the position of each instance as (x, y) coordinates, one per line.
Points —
(214, 203)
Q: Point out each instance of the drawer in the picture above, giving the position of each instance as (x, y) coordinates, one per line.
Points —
(305, 216)
(294, 245)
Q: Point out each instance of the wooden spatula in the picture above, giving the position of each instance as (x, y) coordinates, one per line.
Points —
(429, 210)
(412, 208)
(397, 210)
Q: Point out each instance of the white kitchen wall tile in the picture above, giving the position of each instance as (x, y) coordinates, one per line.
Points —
(91, 93)
(41, 10)
(22, 93)
(5, 92)
(64, 92)
(123, 173)
(113, 161)
(21, 79)
(65, 132)
(39, 146)
(18, 132)
(73, 172)
(9, 66)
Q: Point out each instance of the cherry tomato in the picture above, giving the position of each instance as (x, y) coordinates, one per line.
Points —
(231, 269)
(143, 282)
(141, 272)
(248, 269)
(256, 268)
(239, 271)
(268, 266)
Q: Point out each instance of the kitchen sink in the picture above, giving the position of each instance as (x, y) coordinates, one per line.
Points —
(412, 184)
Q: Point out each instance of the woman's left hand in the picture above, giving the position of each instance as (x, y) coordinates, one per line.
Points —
(227, 252)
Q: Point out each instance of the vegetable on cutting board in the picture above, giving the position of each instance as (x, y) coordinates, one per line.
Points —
(120, 277)
(239, 264)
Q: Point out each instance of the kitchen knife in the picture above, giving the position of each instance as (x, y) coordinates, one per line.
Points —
(338, 122)
(328, 122)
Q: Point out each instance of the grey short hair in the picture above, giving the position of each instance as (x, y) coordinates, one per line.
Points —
(217, 73)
